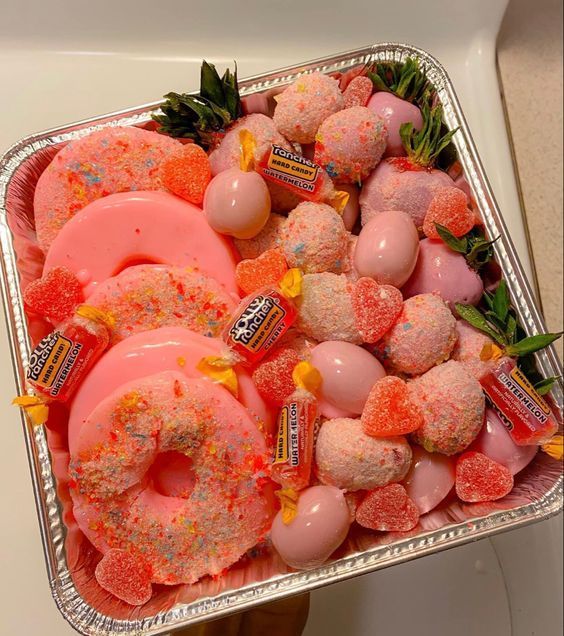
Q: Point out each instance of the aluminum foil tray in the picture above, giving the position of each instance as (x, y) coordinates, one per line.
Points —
(536, 496)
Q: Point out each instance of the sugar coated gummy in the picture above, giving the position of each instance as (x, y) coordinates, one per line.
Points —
(376, 308)
(126, 576)
(302, 107)
(273, 378)
(55, 295)
(187, 173)
(388, 509)
(266, 269)
(479, 478)
(449, 208)
(358, 91)
(390, 410)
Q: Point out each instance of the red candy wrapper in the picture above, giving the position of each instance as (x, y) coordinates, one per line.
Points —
(526, 415)
(62, 359)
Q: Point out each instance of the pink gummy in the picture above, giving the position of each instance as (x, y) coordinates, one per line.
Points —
(55, 295)
(479, 478)
(187, 173)
(388, 509)
(126, 576)
(376, 308)
(389, 409)
(273, 378)
(266, 269)
(449, 207)
(358, 92)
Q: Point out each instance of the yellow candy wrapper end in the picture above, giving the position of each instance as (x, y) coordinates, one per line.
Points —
(490, 351)
(289, 501)
(291, 283)
(248, 145)
(95, 314)
(339, 200)
(220, 371)
(307, 377)
(555, 447)
(35, 407)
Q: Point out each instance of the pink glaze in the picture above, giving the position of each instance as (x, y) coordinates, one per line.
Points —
(349, 372)
(182, 538)
(319, 528)
(147, 353)
(429, 480)
(387, 248)
(495, 442)
(440, 269)
(140, 227)
(395, 111)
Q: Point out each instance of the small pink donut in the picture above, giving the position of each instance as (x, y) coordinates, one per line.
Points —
(181, 538)
(350, 143)
(348, 458)
(423, 336)
(469, 345)
(114, 159)
(267, 239)
(302, 107)
(146, 297)
(325, 308)
(314, 239)
(453, 406)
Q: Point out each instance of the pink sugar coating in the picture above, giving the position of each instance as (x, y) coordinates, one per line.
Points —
(273, 378)
(358, 91)
(479, 478)
(324, 309)
(390, 409)
(350, 143)
(376, 308)
(126, 576)
(314, 239)
(282, 200)
(114, 159)
(453, 408)
(449, 208)
(268, 238)
(469, 344)
(146, 297)
(423, 336)
(348, 458)
(55, 295)
(387, 509)
(298, 342)
(307, 102)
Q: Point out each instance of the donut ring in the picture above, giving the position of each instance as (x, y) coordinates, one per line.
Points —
(146, 297)
(116, 504)
(140, 227)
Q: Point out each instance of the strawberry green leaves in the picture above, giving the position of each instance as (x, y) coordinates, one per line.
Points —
(404, 79)
(474, 246)
(542, 387)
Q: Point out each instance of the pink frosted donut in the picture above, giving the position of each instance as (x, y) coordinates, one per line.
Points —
(150, 352)
(268, 238)
(302, 107)
(350, 143)
(453, 407)
(117, 506)
(148, 227)
(469, 344)
(325, 309)
(146, 297)
(348, 458)
(114, 159)
(423, 336)
(314, 239)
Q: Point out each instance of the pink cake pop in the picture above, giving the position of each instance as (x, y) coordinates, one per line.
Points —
(429, 480)
(352, 209)
(469, 344)
(395, 112)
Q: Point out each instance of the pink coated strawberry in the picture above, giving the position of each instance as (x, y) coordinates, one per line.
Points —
(376, 308)
(126, 576)
(55, 295)
(479, 478)
(388, 509)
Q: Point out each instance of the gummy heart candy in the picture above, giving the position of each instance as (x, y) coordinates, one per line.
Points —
(387, 509)
(55, 295)
(358, 92)
(449, 208)
(389, 409)
(266, 269)
(126, 576)
(376, 308)
(187, 173)
(479, 478)
(273, 378)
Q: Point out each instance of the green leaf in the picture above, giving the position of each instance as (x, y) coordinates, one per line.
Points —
(544, 386)
(481, 252)
(456, 244)
(501, 301)
(499, 324)
(378, 82)
(532, 344)
(474, 317)
(511, 327)
(210, 84)
(488, 299)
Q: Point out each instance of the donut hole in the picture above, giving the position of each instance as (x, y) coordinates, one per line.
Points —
(135, 259)
(173, 474)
